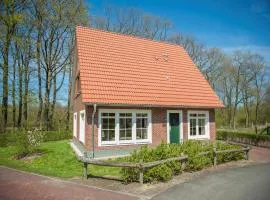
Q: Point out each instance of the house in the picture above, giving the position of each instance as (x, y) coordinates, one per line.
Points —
(130, 91)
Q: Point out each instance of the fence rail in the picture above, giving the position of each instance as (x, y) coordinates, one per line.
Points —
(143, 166)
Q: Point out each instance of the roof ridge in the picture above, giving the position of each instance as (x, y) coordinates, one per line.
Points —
(132, 36)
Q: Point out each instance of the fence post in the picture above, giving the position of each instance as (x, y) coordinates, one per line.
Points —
(85, 170)
(215, 155)
(183, 162)
(141, 172)
(247, 153)
(85, 166)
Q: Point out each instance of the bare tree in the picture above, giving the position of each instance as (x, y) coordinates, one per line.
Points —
(132, 21)
(10, 17)
(258, 71)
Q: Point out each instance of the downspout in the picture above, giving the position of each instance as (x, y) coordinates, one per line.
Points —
(93, 129)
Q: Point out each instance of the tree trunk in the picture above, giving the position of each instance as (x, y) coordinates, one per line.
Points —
(25, 96)
(53, 101)
(47, 99)
(13, 90)
(39, 81)
(69, 98)
(20, 96)
(5, 83)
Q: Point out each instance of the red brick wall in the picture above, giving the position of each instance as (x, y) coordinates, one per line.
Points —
(159, 126)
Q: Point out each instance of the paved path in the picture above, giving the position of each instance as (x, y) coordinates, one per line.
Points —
(17, 185)
(246, 183)
(260, 154)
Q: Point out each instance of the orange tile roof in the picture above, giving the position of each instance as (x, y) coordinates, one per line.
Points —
(127, 70)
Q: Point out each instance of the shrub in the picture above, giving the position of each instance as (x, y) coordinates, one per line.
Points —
(27, 142)
(227, 157)
(248, 138)
(165, 172)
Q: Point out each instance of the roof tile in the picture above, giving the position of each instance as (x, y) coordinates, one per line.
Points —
(122, 69)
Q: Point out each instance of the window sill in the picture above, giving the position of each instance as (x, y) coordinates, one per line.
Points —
(123, 143)
(143, 142)
(198, 138)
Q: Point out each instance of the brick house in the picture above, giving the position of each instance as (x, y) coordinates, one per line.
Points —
(130, 91)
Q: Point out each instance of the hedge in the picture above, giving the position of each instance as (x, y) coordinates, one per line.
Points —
(166, 171)
(248, 138)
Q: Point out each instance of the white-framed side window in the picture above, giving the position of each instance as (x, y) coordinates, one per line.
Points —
(82, 126)
(198, 124)
(124, 126)
(75, 124)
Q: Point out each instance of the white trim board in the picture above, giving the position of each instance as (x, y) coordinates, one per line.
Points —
(82, 127)
(75, 124)
(181, 138)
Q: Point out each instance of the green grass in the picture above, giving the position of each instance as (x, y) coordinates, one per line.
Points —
(57, 160)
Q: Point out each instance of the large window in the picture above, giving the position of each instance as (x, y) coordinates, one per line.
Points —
(124, 126)
(141, 125)
(125, 121)
(198, 125)
(108, 127)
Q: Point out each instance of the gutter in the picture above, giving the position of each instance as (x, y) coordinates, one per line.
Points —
(93, 130)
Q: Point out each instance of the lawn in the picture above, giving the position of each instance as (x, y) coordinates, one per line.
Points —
(57, 160)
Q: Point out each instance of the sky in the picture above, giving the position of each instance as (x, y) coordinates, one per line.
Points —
(227, 24)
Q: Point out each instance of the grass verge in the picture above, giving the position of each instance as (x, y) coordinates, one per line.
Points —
(57, 159)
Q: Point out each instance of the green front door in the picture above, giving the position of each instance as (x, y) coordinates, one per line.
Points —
(174, 127)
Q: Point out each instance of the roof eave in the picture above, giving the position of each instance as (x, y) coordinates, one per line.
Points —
(154, 105)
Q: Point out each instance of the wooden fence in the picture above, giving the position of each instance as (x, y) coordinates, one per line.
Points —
(144, 166)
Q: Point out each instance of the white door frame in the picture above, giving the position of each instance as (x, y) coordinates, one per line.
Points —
(180, 123)
(82, 126)
(75, 121)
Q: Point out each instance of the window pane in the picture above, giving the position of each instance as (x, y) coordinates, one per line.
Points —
(105, 123)
(105, 114)
(201, 124)
(144, 123)
(141, 115)
(104, 135)
(144, 133)
(128, 134)
(201, 115)
(192, 126)
(122, 123)
(139, 133)
(111, 123)
(122, 114)
(193, 115)
(111, 135)
(122, 135)
(108, 127)
(129, 123)
(125, 126)
(139, 123)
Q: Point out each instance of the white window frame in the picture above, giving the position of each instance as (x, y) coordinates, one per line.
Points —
(117, 131)
(82, 131)
(181, 136)
(118, 120)
(207, 128)
(75, 124)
